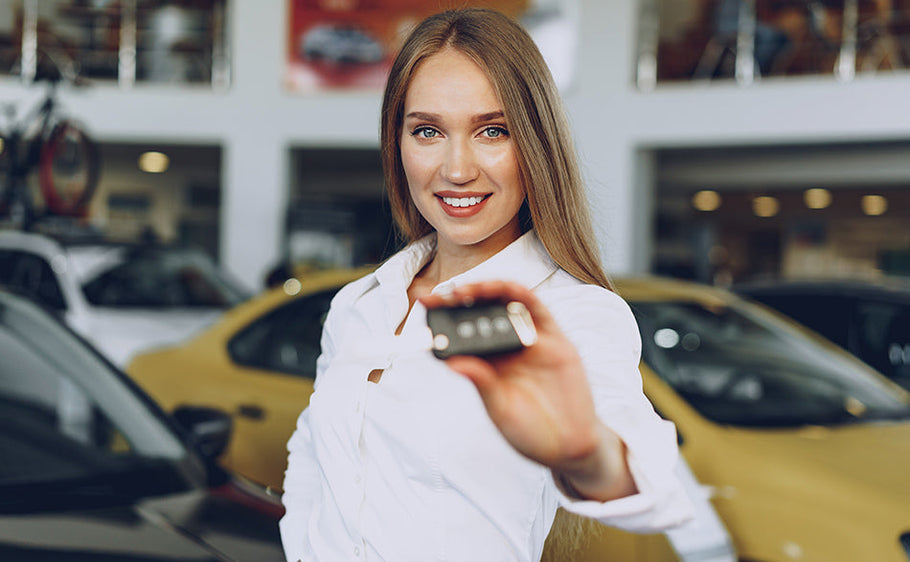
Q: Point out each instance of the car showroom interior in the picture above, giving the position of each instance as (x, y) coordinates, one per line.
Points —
(186, 185)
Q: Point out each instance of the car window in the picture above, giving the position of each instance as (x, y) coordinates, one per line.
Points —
(746, 369)
(829, 315)
(66, 415)
(287, 339)
(160, 278)
(51, 429)
(883, 338)
(31, 275)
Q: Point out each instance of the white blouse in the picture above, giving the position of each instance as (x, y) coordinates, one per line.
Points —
(412, 469)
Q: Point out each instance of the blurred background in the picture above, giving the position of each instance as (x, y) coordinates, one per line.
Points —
(718, 144)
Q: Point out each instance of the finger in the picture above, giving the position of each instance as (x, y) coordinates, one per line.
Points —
(508, 291)
(470, 293)
(478, 371)
(438, 300)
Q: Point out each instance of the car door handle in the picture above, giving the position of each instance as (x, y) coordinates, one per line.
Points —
(251, 411)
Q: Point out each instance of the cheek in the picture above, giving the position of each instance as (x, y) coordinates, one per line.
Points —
(505, 168)
(415, 168)
(416, 176)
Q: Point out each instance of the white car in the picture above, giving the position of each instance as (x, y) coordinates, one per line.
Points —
(121, 298)
(340, 45)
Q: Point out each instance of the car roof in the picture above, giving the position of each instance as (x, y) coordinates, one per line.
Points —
(30, 241)
(70, 238)
(651, 288)
(51, 244)
(87, 260)
(890, 288)
(87, 253)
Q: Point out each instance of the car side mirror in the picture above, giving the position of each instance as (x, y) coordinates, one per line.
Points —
(209, 429)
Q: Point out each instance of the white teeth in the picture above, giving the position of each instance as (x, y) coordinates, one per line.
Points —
(462, 201)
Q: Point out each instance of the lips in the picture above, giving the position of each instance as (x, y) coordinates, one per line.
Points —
(462, 204)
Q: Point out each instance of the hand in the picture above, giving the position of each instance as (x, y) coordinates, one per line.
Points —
(540, 400)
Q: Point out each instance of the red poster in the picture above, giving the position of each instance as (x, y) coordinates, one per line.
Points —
(350, 44)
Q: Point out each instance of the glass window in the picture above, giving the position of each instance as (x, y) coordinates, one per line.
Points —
(130, 41)
(743, 369)
(31, 275)
(883, 338)
(829, 315)
(167, 277)
(69, 422)
(709, 39)
(51, 429)
(286, 340)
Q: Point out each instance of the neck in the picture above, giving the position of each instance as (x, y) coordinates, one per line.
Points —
(446, 265)
(454, 259)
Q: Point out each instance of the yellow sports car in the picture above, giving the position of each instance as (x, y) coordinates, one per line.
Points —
(804, 449)
(256, 363)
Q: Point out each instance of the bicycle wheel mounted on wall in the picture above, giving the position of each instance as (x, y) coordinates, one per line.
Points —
(69, 170)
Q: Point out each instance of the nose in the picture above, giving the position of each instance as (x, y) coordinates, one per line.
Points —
(460, 165)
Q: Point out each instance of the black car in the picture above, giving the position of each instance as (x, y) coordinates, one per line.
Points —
(92, 470)
(871, 319)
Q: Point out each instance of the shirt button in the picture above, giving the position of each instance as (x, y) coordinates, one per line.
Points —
(357, 479)
(357, 407)
(356, 551)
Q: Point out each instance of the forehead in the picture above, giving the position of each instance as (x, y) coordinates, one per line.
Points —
(450, 77)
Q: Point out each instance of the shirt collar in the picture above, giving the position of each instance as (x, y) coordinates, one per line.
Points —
(524, 261)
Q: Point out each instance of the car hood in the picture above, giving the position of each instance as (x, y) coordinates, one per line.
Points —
(121, 334)
(189, 526)
(866, 462)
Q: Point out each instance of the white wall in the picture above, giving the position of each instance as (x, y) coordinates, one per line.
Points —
(256, 122)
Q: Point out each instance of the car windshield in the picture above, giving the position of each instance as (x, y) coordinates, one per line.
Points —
(746, 368)
(163, 277)
(72, 425)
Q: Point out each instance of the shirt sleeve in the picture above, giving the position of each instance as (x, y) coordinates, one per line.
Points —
(301, 478)
(604, 331)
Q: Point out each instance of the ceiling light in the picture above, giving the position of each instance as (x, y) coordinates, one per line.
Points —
(706, 200)
(874, 205)
(765, 206)
(154, 162)
(817, 198)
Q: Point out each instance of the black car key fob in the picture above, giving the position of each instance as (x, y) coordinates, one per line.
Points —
(481, 329)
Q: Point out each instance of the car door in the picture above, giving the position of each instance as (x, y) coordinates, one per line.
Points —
(276, 360)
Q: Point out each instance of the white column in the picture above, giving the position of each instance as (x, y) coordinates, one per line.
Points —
(254, 199)
(254, 166)
(597, 104)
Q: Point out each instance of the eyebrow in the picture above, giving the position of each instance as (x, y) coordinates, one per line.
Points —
(433, 117)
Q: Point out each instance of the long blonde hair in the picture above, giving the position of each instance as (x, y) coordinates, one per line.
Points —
(556, 206)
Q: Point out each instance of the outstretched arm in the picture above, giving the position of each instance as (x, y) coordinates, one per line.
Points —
(541, 401)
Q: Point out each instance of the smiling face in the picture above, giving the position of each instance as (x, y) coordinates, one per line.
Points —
(459, 160)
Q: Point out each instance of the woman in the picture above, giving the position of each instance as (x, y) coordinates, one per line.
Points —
(400, 456)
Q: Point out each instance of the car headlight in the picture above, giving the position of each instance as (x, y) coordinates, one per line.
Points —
(905, 542)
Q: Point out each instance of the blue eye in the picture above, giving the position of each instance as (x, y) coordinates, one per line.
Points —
(425, 132)
(495, 132)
